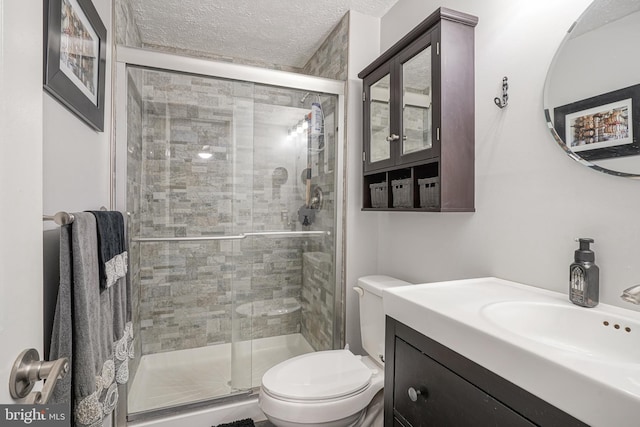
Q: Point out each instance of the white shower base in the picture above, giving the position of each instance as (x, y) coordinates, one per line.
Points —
(185, 376)
(207, 417)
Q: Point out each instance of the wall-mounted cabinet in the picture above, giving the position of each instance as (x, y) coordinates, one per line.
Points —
(418, 96)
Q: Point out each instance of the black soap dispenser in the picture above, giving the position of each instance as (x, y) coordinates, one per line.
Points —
(583, 276)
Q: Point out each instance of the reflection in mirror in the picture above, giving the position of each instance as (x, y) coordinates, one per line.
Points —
(416, 102)
(380, 120)
(592, 92)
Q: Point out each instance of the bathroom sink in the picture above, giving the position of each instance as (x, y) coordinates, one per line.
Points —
(583, 332)
(585, 361)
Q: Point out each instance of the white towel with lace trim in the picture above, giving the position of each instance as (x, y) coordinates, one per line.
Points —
(116, 268)
(91, 410)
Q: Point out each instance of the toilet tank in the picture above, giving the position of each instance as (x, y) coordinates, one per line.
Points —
(372, 313)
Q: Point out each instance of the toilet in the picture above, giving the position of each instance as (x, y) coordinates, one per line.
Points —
(333, 388)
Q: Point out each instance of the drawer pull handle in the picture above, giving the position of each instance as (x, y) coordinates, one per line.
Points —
(413, 394)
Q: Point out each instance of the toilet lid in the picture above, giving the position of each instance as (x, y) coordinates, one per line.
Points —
(317, 376)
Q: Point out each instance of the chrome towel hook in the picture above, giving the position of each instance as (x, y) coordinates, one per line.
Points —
(501, 103)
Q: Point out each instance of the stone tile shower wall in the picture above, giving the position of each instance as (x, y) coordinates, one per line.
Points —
(331, 58)
(318, 293)
(319, 333)
(329, 61)
(273, 200)
(189, 290)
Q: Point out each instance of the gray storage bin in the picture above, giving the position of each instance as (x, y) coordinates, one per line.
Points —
(429, 192)
(379, 198)
(401, 191)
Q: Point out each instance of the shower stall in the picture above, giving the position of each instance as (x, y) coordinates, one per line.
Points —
(230, 177)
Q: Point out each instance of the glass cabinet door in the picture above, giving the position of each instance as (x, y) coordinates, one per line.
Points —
(398, 108)
(416, 103)
(380, 120)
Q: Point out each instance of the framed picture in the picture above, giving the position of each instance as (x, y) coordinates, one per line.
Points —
(601, 127)
(75, 58)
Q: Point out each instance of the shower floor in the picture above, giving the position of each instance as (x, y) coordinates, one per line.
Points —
(185, 376)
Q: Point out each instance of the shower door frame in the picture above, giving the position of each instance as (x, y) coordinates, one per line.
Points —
(127, 56)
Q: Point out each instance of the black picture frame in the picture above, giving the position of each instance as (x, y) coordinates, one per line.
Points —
(631, 93)
(75, 60)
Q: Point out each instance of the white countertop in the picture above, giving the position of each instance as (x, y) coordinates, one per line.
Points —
(600, 388)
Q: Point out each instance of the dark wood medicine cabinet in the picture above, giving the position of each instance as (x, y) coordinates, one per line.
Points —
(418, 105)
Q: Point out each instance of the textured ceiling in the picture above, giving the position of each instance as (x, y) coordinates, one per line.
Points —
(272, 31)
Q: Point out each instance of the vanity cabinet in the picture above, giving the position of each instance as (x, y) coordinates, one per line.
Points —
(427, 384)
(418, 105)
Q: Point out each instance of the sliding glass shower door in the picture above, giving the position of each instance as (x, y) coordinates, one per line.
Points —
(231, 194)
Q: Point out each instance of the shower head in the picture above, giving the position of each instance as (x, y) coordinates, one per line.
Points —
(304, 98)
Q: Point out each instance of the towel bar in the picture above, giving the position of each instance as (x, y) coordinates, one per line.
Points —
(233, 237)
(60, 218)
(63, 218)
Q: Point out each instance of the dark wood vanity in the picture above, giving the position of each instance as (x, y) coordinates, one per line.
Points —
(418, 104)
(428, 384)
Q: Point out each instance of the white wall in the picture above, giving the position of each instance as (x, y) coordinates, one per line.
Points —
(361, 237)
(531, 199)
(76, 158)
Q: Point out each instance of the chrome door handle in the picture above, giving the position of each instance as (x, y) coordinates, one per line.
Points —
(393, 137)
(28, 370)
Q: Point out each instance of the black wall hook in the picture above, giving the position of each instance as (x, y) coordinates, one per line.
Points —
(501, 103)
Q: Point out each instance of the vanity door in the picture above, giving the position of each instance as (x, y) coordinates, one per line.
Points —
(428, 384)
(425, 393)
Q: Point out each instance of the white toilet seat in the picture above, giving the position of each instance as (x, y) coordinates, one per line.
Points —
(320, 387)
(317, 376)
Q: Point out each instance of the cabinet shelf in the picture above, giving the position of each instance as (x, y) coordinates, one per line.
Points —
(418, 105)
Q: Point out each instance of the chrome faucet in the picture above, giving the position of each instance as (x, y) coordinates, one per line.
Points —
(631, 294)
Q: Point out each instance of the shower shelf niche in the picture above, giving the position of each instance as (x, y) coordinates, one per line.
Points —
(269, 308)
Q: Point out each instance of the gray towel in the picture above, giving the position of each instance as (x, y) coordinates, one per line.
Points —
(84, 326)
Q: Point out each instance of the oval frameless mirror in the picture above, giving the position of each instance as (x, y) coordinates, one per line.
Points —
(592, 91)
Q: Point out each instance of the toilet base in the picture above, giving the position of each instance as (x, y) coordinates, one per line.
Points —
(375, 412)
(354, 420)
(371, 416)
